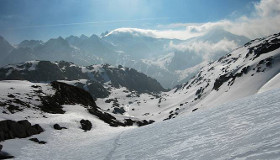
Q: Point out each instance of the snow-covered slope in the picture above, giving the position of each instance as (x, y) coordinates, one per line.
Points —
(247, 70)
(244, 129)
(118, 90)
(240, 73)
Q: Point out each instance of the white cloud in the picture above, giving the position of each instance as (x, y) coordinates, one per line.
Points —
(171, 33)
(207, 50)
(264, 20)
(267, 8)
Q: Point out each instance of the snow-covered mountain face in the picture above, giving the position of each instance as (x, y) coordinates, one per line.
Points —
(170, 61)
(114, 88)
(244, 129)
(247, 70)
(229, 100)
(165, 58)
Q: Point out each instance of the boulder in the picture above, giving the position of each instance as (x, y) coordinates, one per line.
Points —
(17, 129)
(11, 129)
(38, 128)
(3, 126)
(194, 109)
(58, 127)
(31, 131)
(25, 123)
(37, 140)
(2, 135)
(86, 125)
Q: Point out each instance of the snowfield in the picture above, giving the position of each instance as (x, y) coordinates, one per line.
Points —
(248, 128)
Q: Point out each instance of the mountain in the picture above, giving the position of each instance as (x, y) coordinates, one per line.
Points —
(5, 48)
(46, 71)
(247, 129)
(230, 106)
(245, 71)
(166, 60)
(30, 44)
(136, 44)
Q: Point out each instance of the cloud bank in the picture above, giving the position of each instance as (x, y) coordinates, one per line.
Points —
(263, 21)
(205, 49)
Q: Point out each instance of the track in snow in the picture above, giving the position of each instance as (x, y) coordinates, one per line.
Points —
(115, 145)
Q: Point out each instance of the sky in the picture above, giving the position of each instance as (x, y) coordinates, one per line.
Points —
(45, 19)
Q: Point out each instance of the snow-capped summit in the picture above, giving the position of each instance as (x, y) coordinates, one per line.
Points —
(130, 32)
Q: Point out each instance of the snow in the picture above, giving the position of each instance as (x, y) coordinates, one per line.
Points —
(71, 143)
(17, 67)
(272, 84)
(23, 91)
(227, 124)
(245, 129)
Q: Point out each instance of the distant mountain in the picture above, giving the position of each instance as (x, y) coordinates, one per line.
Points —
(92, 77)
(5, 49)
(163, 59)
(30, 44)
(92, 47)
(247, 70)
(136, 44)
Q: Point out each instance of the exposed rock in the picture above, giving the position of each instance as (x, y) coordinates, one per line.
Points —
(194, 109)
(86, 125)
(37, 141)
(144, 122)
(11, 129)
(65, 94)
(58, 127)
(118, 110)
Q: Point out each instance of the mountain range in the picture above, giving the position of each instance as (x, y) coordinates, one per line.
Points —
(156, 57)
(245, 71)
(230, 106)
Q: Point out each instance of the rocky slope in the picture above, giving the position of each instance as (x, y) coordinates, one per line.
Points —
(248, 70)
(91, 78)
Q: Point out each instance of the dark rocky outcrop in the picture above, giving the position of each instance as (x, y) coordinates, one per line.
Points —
(37, 141)
(86, 125)
(46, 71)
(11, 129)
(268, 45)
(194, 109)
(65, 94)
(112, 121)
(118, 110)
(144, 122)
(58, 127)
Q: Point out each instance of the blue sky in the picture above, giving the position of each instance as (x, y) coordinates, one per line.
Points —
(44, 19)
